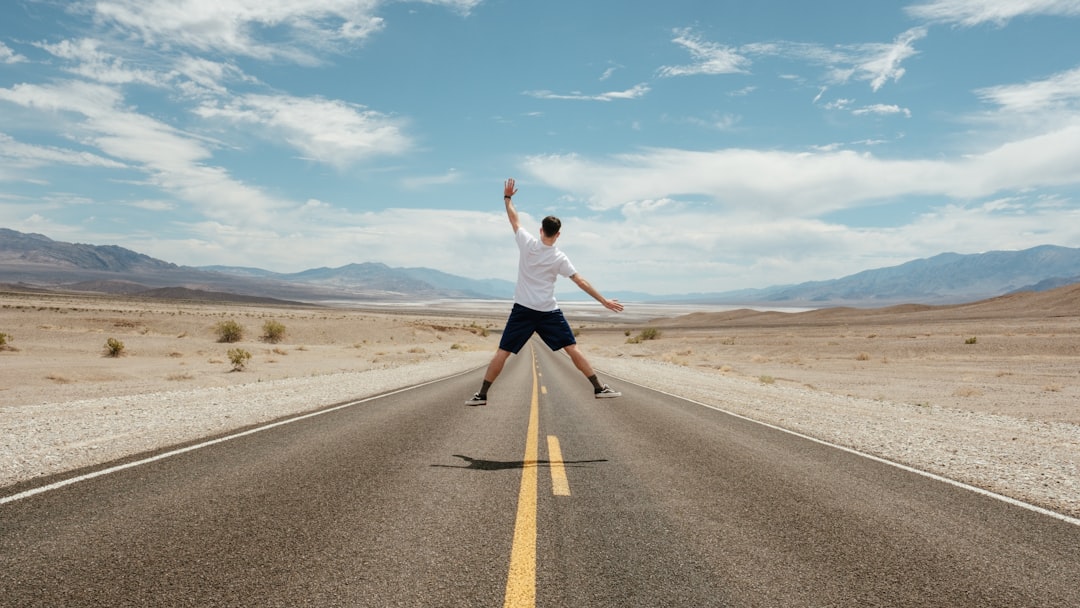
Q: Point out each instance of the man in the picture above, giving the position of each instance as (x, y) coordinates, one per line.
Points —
(535, 310)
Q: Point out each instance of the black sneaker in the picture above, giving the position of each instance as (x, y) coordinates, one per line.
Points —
(606, 393)
(477, 399)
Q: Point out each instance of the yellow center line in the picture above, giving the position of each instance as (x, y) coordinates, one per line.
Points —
(521, 582)
(560, 486)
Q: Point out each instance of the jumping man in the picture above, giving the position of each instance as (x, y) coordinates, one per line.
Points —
(535, 310)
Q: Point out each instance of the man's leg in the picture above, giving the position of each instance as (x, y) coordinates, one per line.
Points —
(493, 371)
(580, 362)
(496, 366)
(556, 333)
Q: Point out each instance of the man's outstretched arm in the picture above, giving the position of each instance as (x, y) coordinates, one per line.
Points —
(589, 289)
(508, 192)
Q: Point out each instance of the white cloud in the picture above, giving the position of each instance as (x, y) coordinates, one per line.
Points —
(327, 131)
(317, 234)
(418, 183)
(720, 122)
(463, 7)
(206, 77)
(873, 62)
(882, 109)
(999, 12)
(171, 160)
(263, 29)
(9, 56)
(882, 62)
(98, 65)
(256, 28)
(839, 104)
(634, 92)
(663, 246)
(18, 154)
(876, 63)
(150, 205)
(777, 183)
(1058, 92)
(709, 57)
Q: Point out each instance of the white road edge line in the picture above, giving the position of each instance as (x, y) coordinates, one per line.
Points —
(1007, 499)
(191, 448)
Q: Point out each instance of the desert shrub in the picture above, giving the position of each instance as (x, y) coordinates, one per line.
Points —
(766, 380)
(273, 332)
(114, 347)
(649, 333)
(475, 329)
(3, 340)
(239, 358)
(229, 331)
(971, 340)
(862, 357)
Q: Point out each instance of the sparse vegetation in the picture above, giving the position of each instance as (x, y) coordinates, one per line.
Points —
(273, 332)
(4, 341)
(476, 329)
(229, 331)
(114, 347)
(239, 359)
(862, 357)
(766, 379)
(971, 340)
(649, 333)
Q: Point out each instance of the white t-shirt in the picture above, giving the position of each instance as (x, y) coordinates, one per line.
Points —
(538, 267)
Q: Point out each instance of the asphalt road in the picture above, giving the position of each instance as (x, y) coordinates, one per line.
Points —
(544, 497)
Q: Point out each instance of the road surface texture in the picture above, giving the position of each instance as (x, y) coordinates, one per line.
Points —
(543, 497)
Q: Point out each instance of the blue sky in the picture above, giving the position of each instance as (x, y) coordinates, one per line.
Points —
(688, 146)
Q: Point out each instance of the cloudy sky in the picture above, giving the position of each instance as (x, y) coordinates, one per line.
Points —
(688, 145)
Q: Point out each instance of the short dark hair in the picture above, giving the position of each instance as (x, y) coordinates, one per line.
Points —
(551, 226)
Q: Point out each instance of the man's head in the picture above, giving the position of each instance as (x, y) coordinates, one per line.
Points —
(551, 226)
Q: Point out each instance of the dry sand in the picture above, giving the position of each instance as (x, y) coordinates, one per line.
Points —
(986, 394)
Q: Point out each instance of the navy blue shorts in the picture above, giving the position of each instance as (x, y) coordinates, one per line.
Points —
(524, 322)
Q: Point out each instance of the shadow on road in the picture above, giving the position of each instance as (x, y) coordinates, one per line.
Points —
(480, 464)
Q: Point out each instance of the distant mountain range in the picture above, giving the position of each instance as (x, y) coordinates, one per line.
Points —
(948, 278)
(34, 260)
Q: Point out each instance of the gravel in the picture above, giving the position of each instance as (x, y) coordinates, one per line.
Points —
(1031, 461)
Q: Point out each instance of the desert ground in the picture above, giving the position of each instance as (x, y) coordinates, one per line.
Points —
(996, 375)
